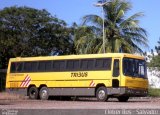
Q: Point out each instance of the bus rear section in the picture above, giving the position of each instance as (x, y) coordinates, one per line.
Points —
(97, 75)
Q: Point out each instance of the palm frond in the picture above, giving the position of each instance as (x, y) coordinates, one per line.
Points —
(93, 19)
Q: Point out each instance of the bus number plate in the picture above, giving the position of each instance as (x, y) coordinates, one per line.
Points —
(79, 74)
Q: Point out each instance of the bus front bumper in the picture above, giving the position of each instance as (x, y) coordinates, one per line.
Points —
(128, 92)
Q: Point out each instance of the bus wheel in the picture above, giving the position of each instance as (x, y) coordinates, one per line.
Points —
(123, 98)
(101, 94)
(33, 92)
(43, 93)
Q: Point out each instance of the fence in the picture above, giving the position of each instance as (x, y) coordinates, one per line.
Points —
(2, 79)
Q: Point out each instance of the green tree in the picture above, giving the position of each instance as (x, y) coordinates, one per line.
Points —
(121, 33)
(27, 31)
(155, 62)
(158, 47)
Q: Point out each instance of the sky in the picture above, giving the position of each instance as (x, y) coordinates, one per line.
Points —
(73, 10)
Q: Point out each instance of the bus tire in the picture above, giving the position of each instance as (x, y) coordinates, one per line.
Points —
(123, 98)
(33, 92)
(101, 94)
(44, 93)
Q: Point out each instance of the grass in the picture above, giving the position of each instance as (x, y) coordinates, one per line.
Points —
(154, 92)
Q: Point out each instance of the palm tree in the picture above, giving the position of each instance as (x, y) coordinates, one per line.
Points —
(121, 34)
(85, 40)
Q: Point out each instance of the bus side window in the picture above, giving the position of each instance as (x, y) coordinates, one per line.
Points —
(107, 63)
(76, 65)
(19, 67)
(41, 66)
(91, 64)
(48, 66)
(87, 64)
(34, 66)
(58, 65)
(27, 67)
(62, 65)
(116, 68)
(16, 67)
(13, 67)
(70, 65)
(84, 64)
(99, 64)
(103, 64)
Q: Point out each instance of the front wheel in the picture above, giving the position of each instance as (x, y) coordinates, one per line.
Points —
(101, 94)
(43, 93)
(33, 92)
(123, 98)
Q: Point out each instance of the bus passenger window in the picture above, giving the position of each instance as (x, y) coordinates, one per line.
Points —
(13, 67)
(107, 63)
(56, 66)
(84, 64)
(41, 66)
(48, 65)
(76, 65)
(16, 67)
(62, 66)
(90, 64)
(70, 65)
(27, 67)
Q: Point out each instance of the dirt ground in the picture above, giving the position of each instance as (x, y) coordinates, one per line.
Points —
(12, 101)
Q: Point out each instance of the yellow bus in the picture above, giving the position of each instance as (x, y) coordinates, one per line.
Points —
(102, 76)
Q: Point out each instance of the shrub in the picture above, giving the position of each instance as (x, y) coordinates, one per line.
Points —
(154, 92)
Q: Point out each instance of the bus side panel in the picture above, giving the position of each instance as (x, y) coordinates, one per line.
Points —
(59, 82)
(61, 79)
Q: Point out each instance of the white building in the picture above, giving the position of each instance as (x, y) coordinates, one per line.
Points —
(153, 78)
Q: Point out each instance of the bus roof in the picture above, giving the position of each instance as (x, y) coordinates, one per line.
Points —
(115, 55)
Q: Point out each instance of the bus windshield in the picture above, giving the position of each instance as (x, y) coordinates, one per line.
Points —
(134, 67)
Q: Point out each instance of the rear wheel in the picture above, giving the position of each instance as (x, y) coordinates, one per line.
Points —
(43, 93)
(101, 94)
(123, 98)
(33, 92)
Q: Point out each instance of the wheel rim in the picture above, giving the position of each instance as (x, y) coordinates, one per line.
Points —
(101, 94)
(44, 94)
(33, 93)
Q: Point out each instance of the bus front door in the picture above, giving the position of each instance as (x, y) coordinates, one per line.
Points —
(116, 73)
